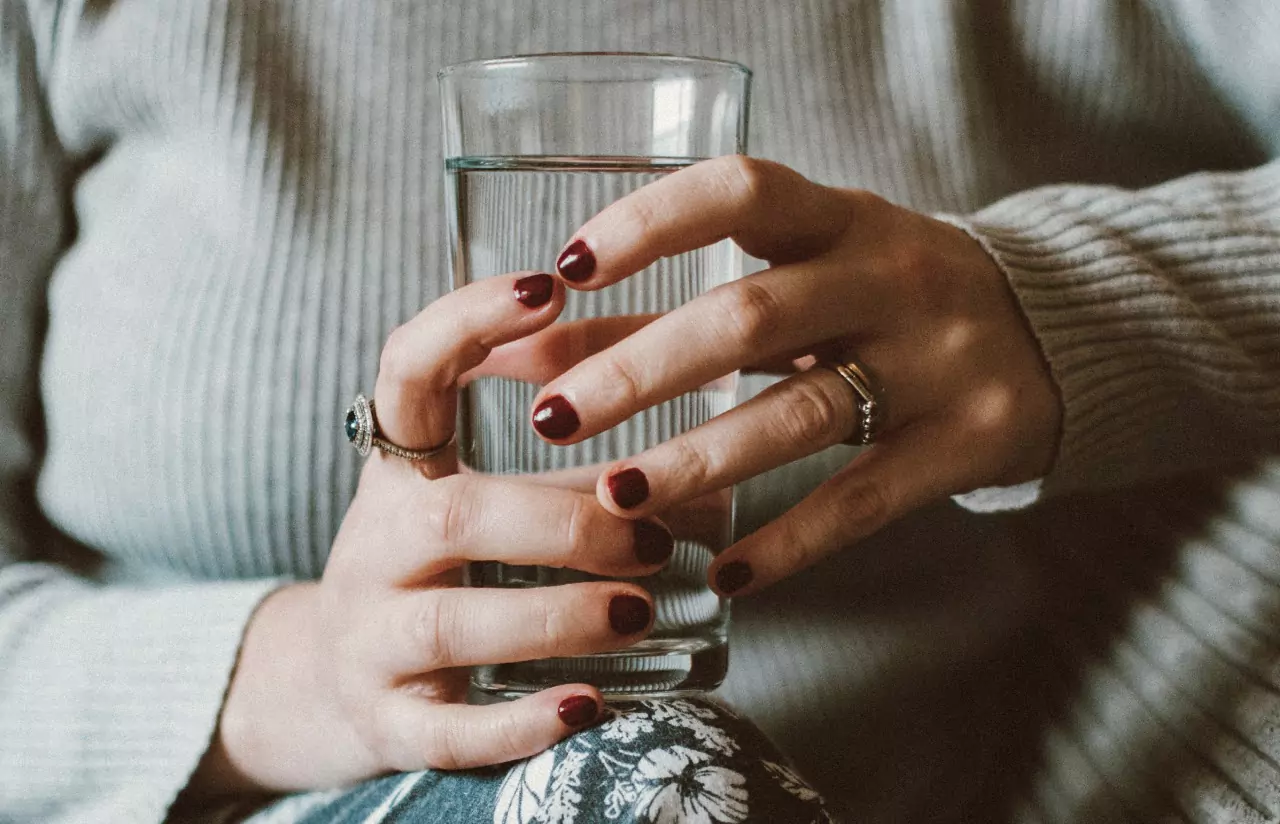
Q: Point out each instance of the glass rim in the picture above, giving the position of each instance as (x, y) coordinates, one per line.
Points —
(513, 60)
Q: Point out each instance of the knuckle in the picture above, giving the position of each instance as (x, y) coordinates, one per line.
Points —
(396, 354)
(914, 258)
(813, 415)
(642, 212)
(452, 511)
(622, 378)
(920, 273)
(510, 735)
(696, 466)
(795, 549)
(578, 530)
(545, 611)
(752, 314)
(867, 506)
(429, 356)
(442, 744)
(746, 179)
(430, 628)
(990, 410)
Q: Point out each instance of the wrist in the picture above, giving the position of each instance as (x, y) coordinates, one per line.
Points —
(272, 661)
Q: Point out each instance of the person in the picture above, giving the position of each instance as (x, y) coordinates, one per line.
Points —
(206, 596)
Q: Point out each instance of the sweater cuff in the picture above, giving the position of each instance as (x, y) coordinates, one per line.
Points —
(1001, 498)
(1086, 265)
(132, 680)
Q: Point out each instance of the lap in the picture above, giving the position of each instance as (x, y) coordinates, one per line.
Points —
(664, 762)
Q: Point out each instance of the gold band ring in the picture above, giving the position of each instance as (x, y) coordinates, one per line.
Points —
(869, 397)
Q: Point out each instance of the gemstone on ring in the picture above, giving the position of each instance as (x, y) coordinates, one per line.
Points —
(361, 428)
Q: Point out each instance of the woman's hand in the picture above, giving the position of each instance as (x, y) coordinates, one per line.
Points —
(365, 671)
(917, 301)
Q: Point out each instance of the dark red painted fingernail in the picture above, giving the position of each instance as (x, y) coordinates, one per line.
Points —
(535, 290)
(654, 544)
(732, 577)
(554, 418)
(628, 488)
(578, 710)
(576, 263)
(629, 614)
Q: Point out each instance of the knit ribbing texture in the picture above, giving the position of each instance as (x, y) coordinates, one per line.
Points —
(255, 194)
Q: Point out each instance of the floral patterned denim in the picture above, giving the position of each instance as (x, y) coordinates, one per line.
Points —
(651, 762)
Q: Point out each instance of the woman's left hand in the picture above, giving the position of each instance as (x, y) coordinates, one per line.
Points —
(917, 301)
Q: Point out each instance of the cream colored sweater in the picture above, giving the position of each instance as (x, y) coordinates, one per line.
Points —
(213, 212)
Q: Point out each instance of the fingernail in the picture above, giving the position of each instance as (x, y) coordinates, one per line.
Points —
(629, 614)
(554, 418)
(732, 577)
(535, 290)
(654, 544)
(628, 488)
(578, 710)
(576, 262)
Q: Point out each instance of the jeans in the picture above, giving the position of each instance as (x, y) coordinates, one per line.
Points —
(651, 762)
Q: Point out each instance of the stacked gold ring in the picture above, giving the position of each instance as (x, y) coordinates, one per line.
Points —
(869, 397)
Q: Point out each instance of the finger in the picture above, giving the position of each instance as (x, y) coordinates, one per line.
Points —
(918, 465)
(486, 518)
(785, 364)
(799, 416)
(420, 734)
(706, 520)
(544, 356)
(421, 361)
(769, 210)
(428, 630)
(580, 478)
(700, 520)
(770, 313)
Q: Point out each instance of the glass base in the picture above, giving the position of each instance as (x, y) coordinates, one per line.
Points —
(663, 668)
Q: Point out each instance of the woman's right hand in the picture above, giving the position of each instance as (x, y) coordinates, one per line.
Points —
(365, 671)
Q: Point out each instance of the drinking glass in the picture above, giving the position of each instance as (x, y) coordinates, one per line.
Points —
(534, 146)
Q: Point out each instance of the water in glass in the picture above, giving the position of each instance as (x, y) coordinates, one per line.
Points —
(515, 213)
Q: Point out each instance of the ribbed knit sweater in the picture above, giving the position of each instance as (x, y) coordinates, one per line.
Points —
(213, 213)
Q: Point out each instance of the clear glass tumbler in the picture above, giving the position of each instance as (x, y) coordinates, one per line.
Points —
(535, 146)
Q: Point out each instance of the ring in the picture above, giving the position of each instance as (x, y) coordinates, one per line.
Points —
(362, 430)
(869, 397)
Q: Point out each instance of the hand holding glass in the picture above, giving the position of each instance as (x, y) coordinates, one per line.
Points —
(535, 146)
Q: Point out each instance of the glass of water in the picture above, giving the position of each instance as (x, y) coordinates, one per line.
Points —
(534, 146)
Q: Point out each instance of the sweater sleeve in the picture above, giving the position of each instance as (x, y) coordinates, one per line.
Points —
(1158, 312)
(108, 695)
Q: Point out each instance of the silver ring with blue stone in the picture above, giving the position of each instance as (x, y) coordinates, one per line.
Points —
(361, 426)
